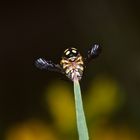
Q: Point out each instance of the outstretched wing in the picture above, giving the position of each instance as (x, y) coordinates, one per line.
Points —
(41, 63)
(93, 52)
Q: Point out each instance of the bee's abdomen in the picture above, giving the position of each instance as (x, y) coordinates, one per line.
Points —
(71, 72)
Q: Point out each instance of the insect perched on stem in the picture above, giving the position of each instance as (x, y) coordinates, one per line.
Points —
(72, 63)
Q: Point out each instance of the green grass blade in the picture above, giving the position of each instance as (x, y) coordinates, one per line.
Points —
(80, 116)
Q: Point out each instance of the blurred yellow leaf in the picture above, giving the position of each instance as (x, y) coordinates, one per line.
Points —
(104, 97)
(31, 130)
(61, 103)
(119, 132)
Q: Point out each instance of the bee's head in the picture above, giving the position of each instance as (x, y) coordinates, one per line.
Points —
(71, 53)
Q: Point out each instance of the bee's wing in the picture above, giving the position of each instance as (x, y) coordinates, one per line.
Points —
(93, 52)
(41, 63)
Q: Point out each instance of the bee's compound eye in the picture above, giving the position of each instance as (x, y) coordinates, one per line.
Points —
(74, 50)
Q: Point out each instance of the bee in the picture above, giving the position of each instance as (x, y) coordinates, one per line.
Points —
(72, 63)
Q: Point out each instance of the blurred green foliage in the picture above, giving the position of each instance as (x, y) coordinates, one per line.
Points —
(103, 98)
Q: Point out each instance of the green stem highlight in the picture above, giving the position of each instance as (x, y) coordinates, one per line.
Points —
(80, 116)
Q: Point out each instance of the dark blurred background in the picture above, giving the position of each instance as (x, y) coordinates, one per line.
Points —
(29, 30)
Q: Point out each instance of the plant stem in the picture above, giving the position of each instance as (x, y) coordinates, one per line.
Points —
(80, 116)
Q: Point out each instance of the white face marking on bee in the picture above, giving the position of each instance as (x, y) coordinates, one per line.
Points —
(74, 51)
(67, 52)
(74, 48)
